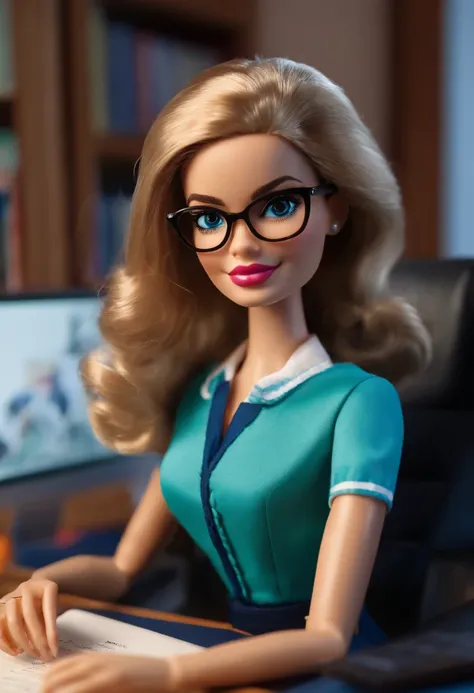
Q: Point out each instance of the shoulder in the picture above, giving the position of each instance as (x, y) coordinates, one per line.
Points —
(372, 394)
(368, 440)
(355, 385)
(369, 402)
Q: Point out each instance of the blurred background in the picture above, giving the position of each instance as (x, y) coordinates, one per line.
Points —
(81, 80)
(80, 83)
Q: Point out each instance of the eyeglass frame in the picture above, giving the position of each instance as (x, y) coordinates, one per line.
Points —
(326, 189)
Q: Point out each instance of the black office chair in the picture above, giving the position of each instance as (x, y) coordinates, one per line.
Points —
(426, 559)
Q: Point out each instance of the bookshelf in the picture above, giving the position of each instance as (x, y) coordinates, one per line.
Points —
(104, 148)
(34, 244)
(64, 162)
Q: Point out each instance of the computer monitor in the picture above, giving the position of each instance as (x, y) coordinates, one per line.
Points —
(43, 415)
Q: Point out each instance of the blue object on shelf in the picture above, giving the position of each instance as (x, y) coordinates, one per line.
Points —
(123, 114)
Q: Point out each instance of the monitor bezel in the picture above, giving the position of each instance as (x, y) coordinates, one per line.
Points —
(49, 296)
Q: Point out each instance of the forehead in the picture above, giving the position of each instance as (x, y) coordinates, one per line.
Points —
(233, 168)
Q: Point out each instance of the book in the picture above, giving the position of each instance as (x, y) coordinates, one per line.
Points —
(98, 68)
(122, 116)
(10, 240)
(81, 631)
(134, 72)
(6, 62)
(111, 222)
(146, 100)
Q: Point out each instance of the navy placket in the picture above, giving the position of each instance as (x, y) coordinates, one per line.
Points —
(214, 448)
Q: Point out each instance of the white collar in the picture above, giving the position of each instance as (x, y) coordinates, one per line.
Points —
(308, 360)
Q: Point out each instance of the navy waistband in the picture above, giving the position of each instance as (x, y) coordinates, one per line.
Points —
(257, 619)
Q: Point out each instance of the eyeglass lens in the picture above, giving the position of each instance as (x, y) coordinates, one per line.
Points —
(274, 219)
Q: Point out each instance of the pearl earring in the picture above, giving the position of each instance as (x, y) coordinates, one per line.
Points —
(334, 228)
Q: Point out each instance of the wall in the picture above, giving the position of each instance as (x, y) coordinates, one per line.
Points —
(458, 142)
(348, 40)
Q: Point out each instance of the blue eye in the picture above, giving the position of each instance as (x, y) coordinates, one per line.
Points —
(209, 221)
(280, 208)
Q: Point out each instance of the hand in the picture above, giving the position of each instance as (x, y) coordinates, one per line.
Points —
(28, 620)
(108, 673)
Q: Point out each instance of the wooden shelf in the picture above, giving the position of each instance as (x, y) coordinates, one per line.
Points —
(230, 15)
(119, 147)
(6, 111)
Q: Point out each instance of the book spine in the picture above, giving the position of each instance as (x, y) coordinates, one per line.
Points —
(163, 71)
(93, 259)
(121, 78)
(113, 220)
(6, 58)
(14, 279)
(10, 248)
(98, 68)
(144, 80)
(104, 234)
(122, 208)
(3, 248)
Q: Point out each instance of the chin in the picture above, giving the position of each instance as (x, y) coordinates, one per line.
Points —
(255, 298)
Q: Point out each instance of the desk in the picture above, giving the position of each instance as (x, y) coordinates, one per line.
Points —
(12, 577)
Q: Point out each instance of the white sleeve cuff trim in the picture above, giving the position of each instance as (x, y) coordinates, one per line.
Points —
(348, 486)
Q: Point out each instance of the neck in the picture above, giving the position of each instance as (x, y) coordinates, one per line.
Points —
(275, 332)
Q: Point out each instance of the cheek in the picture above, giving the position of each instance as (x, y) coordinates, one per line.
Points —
(212, 265)
(304, 253)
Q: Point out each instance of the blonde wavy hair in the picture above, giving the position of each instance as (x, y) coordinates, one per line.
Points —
(162, 320)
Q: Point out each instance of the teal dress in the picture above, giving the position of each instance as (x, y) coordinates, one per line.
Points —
(257, 499)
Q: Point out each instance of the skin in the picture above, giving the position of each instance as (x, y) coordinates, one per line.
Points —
(231, 170)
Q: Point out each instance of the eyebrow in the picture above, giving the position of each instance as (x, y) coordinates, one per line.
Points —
(268, 187)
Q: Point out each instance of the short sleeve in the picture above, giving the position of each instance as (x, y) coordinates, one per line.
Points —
(368, 439)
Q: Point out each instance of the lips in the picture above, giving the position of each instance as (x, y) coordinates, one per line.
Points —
(251, 275)
(244, 270)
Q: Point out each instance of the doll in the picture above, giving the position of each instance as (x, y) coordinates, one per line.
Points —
(250, 337)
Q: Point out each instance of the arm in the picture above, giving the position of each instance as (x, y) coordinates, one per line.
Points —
(107, 578)
(345, 564)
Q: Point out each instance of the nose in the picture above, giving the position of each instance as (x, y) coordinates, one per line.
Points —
(242, 241)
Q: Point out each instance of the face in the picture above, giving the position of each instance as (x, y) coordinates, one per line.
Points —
(228, 175)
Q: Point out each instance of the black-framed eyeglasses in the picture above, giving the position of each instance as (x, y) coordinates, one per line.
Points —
(276, 216)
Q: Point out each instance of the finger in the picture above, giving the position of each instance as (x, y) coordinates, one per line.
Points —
(10, 595)
(72, 663)
(98, 683)
(60, 678)
(78, 686)
(6, 643)
(34, 624)
(50, 614)
(89, 685)
(16, 626)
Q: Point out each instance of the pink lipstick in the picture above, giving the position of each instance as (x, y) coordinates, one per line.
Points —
(251, 275)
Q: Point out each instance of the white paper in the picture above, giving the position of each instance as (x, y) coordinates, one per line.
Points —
(80, 631)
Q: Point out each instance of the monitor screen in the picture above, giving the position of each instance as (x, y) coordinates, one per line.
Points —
(43, 414)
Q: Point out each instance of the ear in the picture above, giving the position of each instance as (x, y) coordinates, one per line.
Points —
(338, 212)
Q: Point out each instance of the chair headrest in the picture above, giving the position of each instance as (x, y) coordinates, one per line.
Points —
(443, 293)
